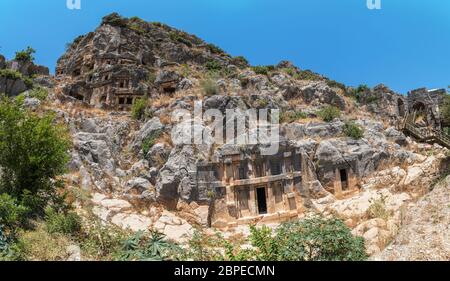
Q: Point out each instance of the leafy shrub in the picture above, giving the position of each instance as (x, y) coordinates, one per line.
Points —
(240, 61)
(215, 49)
(63, 223)
(10, 74)
(25, 55)
(360, 94)
(115, 19)
(209, 87)
(329, 113)
(150, 141)
(12, 214)
(33, 152)
(138, 109)
(352, 130)
(308, 75)
(39, 93)
(180, 37)
(335, 84)
(263, 70)
(137, 24)
(214, 66)
(318, 239)
(292, 116)
(202, 247)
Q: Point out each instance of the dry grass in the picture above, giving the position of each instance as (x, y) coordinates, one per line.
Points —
(39, 245)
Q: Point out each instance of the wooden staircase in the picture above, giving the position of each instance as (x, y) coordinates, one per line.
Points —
(427, 135)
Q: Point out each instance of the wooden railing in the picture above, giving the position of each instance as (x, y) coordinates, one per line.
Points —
(423, 134)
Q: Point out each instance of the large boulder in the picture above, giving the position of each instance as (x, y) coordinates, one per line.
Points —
(12, 87)
(149, 130)
(176, 175)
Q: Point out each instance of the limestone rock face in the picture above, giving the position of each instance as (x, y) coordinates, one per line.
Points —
(174, 179)
(360, 156)
(122, 55)
(315, 92)
(384, 102)
(149, 130)
(424, 235)
(12, 87)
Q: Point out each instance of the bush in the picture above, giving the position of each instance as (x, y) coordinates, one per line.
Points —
(263, 70)
(180, 37)
(334, 84)
(209, 87)
(308, 75)
(138, 109)
(12, 214)
(292, 116)
(240, 61)
(214, 49)
(115, 19)
(150, 141)
(25, 55)
(213, 66)
(63, 223)
(318, 239)
(33, 152)
(352, 130)
(39, 93)
(329, 113)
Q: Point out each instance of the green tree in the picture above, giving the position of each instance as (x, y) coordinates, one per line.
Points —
(138, 109)
(25, 55)
(33, 152)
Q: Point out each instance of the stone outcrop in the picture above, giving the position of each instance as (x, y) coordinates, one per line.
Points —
(15, 76)
(114, 65)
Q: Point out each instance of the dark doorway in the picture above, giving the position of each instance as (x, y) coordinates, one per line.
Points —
(262, 201)
(344, 179)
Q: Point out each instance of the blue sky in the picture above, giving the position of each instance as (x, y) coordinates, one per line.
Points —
(404, 45)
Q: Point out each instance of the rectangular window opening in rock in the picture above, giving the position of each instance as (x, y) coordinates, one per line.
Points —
(275, 168)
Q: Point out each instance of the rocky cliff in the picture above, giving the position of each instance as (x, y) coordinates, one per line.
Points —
(138, 178)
